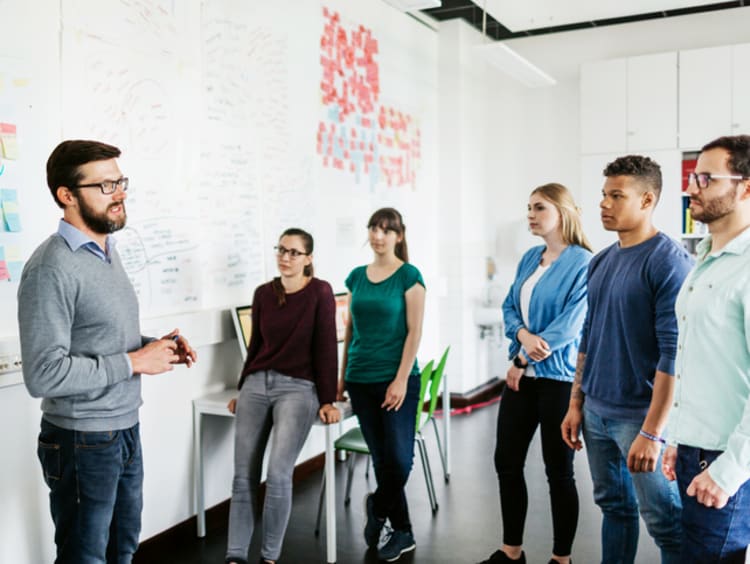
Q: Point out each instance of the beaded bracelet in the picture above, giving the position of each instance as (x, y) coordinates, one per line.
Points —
(651, 437)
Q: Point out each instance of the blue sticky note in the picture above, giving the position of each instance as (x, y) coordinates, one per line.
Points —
(15, 268)
(9, 206)
(8, 194)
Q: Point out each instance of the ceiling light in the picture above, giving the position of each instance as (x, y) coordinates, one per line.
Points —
(514, 65)
(413, 5)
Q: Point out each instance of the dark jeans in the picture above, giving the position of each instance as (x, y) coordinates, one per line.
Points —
(539, 402)
(710, 534)
(96, 492)
(390, 438)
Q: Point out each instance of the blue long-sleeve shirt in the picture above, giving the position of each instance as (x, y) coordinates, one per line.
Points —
(631, 329)
(556, 311)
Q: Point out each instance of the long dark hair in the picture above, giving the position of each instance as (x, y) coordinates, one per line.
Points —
(389, 219)
(308, 243)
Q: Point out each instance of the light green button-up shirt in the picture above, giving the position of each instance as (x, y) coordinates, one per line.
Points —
(711, 406)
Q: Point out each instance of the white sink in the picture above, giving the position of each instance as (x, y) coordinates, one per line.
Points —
(488, 315)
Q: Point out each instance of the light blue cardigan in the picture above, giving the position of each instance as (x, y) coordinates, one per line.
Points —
(556, 312)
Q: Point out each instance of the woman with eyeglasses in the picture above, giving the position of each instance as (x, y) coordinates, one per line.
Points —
(543, 314)
(380, 373)
(288, 379)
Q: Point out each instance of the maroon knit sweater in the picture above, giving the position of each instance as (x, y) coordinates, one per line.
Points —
(296, 339)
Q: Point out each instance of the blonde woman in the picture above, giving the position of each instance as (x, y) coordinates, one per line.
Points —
(543, 313)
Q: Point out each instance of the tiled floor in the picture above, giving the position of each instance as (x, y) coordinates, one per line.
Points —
(466, 527)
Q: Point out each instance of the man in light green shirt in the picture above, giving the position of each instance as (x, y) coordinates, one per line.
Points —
(709, 426)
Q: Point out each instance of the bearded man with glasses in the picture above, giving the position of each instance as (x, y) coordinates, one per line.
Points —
(83, 353)
(709, 425)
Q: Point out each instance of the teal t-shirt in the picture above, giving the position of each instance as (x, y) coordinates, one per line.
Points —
(378, 313)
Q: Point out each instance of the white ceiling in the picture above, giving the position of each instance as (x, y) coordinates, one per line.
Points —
(519, 15)
(560, 54)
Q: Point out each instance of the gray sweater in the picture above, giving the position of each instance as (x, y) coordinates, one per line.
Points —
(78, 317)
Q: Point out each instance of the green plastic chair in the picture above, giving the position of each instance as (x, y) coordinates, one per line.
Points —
(354, 443)
(436, 381)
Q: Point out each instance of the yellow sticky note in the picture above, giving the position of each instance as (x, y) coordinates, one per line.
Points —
(12, 253)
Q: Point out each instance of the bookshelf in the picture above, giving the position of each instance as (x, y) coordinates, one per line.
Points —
(692, 231)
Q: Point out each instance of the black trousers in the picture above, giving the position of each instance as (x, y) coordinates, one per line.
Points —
(540, 402)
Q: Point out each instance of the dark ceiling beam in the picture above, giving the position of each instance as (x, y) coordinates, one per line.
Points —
(472, 14)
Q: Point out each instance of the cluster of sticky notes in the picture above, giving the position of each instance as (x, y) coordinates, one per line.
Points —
(11, 264)
(8, 141)
(11, 220)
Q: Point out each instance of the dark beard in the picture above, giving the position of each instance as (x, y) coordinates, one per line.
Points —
(100, 223)
(717, 208)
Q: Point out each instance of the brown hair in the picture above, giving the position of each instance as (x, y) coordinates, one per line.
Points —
(570, 215)
(389, 219)
(308, 243)
(64, 162)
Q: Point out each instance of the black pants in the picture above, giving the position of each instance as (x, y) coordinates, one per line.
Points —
(539, 402)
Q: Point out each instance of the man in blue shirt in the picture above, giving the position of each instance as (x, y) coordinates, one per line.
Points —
(710, 420)
(625, 365)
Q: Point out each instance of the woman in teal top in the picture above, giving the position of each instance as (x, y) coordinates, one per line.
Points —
(380, 372)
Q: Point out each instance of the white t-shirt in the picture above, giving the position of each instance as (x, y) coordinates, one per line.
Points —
(526, 291)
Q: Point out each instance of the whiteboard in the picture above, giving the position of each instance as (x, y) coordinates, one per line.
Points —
(216, 106)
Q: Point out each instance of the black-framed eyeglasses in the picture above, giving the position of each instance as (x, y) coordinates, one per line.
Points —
(107, 186)
(703, 179)
(293, 253)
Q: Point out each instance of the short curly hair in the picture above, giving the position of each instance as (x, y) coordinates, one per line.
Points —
(738, 147)
(646, 170)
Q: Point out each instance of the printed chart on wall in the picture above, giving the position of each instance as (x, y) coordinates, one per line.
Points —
(16, 175)
(137, 99)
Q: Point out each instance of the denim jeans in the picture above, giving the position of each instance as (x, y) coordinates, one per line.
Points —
(620, 494)
(390, 438)
(268, 400)
(539, 402)
(96, 492)
(711, 535)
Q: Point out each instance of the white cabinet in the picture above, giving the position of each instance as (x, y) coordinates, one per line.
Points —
(652, 102)
(604, 106)
(629, 104)
(705, 95)
(740, 89)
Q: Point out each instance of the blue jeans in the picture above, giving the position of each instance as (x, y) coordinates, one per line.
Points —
(96, 492)
(390, 438)
(620, 494)
(289, 405)
(711, 535)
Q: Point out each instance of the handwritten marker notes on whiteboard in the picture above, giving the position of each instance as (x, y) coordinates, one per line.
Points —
(8, 141)
(11, 220)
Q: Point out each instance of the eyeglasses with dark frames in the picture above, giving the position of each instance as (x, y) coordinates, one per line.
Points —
(703, 179)
(293, 253)
(107, 186)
